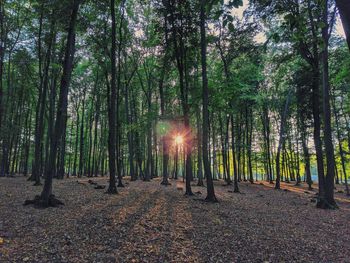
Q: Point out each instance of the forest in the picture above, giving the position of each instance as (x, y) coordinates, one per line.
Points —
(174, 130)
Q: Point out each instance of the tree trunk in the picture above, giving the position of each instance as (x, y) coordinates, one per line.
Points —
(165, 174)
(344, 11)
(317, 130)
(46, 198)
(235, 172)
(112, 95)
(249, 124)
(199, 154)
(329, 201)
(81, 144)
(2, 55)
(282, 139)
(210, 185)
(341, 151)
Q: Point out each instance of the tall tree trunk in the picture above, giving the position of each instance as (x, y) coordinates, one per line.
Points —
(329, 201)
(223, 149)
(306, 159)
(249, 124)
(112, 95)
(297, 161)
(46, 198)
(81, 144)
(27, 146)
(164, 140)
(199, 154)
(282, 139)
(61, 159)
(210, 185)
(341, 150)
(235, 172)
(96, 121)
(39, 117)
(119, 134)
(148, 173)
(344, 11)
(317, 130)
(2, 55)
(129, 134)
(91, 122)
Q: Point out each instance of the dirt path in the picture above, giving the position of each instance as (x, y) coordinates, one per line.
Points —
(147, 222)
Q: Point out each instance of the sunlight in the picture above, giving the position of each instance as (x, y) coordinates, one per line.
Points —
(179, 139)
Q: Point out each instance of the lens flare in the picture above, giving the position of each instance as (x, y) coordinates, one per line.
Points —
(179, 139)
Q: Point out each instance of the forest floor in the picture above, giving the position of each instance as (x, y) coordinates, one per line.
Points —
(147, 222)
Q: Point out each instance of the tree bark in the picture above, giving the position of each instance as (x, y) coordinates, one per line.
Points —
(344, 11)
(341, 150)
(112, 95)
(282, 139)
(235, 172)
(46, 198)
(205, 93)
(81, 143)
(329, 201)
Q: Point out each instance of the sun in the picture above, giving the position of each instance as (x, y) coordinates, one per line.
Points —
(179, 139)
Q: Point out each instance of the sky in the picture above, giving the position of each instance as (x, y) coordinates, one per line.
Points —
(261, 36)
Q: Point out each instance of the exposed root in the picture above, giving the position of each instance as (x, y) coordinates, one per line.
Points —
(322, 203)
(39, 202)
(211, 199)
(112, 190)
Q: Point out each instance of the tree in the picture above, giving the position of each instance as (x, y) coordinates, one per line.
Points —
(207, 172)
(112, 96)
(344, 10)
(47, 198)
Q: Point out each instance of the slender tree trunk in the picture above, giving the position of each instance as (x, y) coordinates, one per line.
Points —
(235, 172)
(112, 95)
(164, 140)
(96, 122)
(91, 122)
(223, 150)
(297, 161)
(329, 201)
(210, 185)
(81, 144)
(317, 130)
(148, 173)
(344, 11)
(199, 155)
(249, 125)
(282, 139)
(46, 198)
(39, 117)
(129, 134)
(118, 89)
(2, 55)
(61, 159)
(341, 150)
